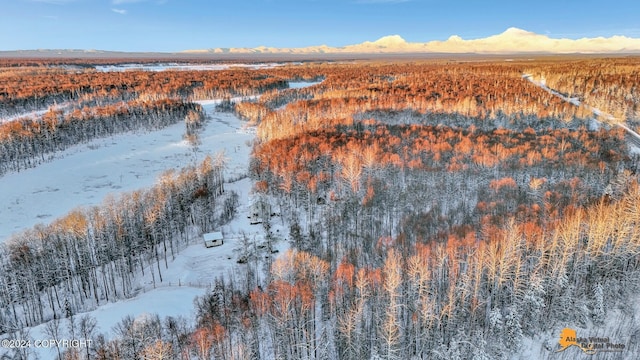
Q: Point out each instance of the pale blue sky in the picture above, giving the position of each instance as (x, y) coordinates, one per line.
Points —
(175, 25)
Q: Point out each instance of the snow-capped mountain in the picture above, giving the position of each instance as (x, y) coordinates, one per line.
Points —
(513, 40)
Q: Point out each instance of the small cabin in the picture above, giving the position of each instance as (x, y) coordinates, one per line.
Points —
(213, 239)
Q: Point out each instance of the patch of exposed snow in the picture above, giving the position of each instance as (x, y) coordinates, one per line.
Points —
(302, 84)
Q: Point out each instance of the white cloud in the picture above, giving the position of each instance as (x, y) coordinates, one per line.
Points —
(120, 11)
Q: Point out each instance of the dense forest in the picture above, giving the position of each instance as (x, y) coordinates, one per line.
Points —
(435, 209)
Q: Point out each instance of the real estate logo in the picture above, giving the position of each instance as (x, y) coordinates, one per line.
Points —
(589, 345)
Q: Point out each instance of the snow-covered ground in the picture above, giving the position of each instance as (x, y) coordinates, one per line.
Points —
(302, 84)
(197, 266)
(84, 174)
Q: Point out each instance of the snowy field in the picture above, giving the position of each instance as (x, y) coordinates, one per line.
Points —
(196, 265)
(302, 84)
(83, 175)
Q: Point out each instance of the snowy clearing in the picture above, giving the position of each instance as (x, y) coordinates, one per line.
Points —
(198, 266)
(83, 175)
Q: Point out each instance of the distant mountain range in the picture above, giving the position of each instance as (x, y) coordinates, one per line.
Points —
(512, 41)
